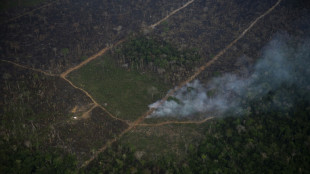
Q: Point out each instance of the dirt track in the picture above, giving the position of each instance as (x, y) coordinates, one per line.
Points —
(29, 12)
(176, 122)
(91, 58)
(85, 92)
(172, 13)
(140, 119)
(29, 68)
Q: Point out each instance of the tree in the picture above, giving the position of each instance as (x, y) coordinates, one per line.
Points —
(65, 52)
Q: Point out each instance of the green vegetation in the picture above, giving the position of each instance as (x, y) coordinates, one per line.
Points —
(20, 116)
(20, 159)
(65, 51)
(165, 26)
(84, 58)
(265, 141)
(168, 140)
(126, 94)
(119, 158)
(7, 4)
(171, 98)
(217, 74)
(270, 143)
(189, 89)
(211, 93)
(147, 149)
(140, 51)
(26, 125)
(38, 132)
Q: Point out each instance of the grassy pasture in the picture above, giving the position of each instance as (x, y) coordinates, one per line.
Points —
(125, 93)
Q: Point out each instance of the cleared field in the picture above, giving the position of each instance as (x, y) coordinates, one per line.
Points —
(125, 93)
(41, 113)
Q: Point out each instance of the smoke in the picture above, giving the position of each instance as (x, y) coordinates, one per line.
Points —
(279, 78)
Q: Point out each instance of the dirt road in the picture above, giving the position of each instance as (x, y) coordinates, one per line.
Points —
(202, 68)
(177, 122)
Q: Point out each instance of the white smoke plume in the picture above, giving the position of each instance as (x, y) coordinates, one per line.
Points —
(285, 61)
